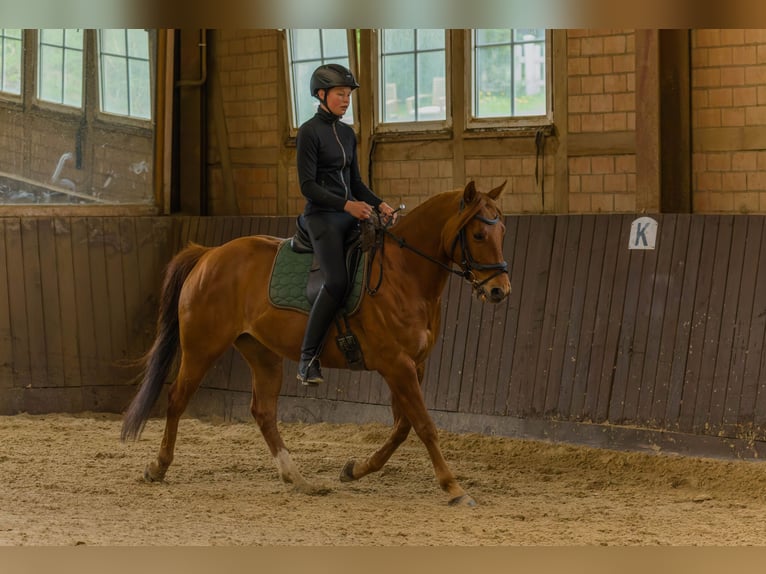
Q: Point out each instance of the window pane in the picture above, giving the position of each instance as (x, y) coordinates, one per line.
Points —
(55, 37)
(140, 102)
(335, 44)
(10, 60)
(493, 81)
(72, 78)
(529, 34)
(73, 39)
(51, 76)
(398, 41)
(305, 44)
(529, 79)
(114, 92)
(399, 81)
(430, 39)
(484, 37)
(431, 88)
(113, 42)
(138, 44)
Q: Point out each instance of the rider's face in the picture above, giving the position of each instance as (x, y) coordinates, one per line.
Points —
(338, 100)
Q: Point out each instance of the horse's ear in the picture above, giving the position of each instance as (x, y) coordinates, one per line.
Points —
(495, 192)
(469, 193)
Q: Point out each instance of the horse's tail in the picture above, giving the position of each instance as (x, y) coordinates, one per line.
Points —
(159, 360)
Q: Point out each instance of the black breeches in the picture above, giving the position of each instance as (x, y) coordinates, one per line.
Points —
(328, 231)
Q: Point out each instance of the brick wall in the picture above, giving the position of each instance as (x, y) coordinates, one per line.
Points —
(601, 68)
(246, 62)
(728, 98)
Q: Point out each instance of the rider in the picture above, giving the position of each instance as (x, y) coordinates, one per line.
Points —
(336, 199)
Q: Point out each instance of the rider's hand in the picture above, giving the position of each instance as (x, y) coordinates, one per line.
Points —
(388, 212)
(358, 209)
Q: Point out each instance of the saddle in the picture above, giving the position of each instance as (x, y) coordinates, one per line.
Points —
(358, 242)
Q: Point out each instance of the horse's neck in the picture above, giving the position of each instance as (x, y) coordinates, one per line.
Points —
(422, 230)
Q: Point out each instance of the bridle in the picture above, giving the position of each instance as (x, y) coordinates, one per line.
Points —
(467, 263)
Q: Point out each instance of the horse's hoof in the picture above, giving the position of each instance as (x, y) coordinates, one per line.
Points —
(347, 474)
(151, 477)
(463, 500)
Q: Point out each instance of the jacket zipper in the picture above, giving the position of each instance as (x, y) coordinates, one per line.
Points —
(343, 150)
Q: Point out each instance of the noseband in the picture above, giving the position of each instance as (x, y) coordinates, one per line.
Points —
(467, 264)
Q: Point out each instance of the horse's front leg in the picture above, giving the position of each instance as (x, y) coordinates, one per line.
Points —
(356, 470)
(403, 378)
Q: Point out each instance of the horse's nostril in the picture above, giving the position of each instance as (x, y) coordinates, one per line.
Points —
(496, 294)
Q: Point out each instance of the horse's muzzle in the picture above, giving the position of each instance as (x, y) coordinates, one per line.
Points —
(497, 295)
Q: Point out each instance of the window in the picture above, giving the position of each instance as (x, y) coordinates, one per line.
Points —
(10, 60)
(412, 75)
(60, 68)
(509, 76)
(124, 75)
(307, 50)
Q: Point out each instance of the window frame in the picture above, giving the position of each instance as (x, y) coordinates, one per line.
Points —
(353, 59)
(430, 127)
(502, 123)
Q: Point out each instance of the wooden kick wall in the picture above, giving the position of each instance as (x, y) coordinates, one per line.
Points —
(670, 339)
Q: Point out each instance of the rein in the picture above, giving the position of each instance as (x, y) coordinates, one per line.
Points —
(467, 265)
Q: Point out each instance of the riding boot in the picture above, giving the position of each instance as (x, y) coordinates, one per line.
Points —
(322, 313)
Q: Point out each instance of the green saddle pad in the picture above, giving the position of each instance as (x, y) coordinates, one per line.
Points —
(290, 275)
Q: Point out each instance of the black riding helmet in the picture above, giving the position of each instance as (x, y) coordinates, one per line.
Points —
(331, 76)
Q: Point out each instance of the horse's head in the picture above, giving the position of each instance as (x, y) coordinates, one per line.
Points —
(473, 238)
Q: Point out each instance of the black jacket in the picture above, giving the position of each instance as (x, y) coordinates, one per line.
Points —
(328, 170)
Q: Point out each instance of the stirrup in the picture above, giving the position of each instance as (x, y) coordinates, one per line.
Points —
(309, 374)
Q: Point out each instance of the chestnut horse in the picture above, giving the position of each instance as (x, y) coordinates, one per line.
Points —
(215, 297)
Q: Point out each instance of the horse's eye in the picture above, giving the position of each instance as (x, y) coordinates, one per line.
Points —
(479, 236)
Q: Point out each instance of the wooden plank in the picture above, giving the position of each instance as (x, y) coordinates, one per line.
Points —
(585, 347)
(126, 227)
(6, 330)
(67, 301)
(625, 340)
(532, 310)
(430, 383)
(706, 387)
(441, 379)
(670, 322)
(114, 245)
(561, 327)
(576, 316)
(752, 404)
(640, 340)
(620, 230)
(51, 309)
(466, 372)
(747, 328)
(102, 326)
(509, 317)
(652, 389)
(30, 244)
(704, 278)
(727, 374)
(550, 311)
(86, 331)
(516, 307)
(609, 284)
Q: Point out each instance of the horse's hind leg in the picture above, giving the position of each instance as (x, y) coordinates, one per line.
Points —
(193, 367)
(266, 368)
(355, 470)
